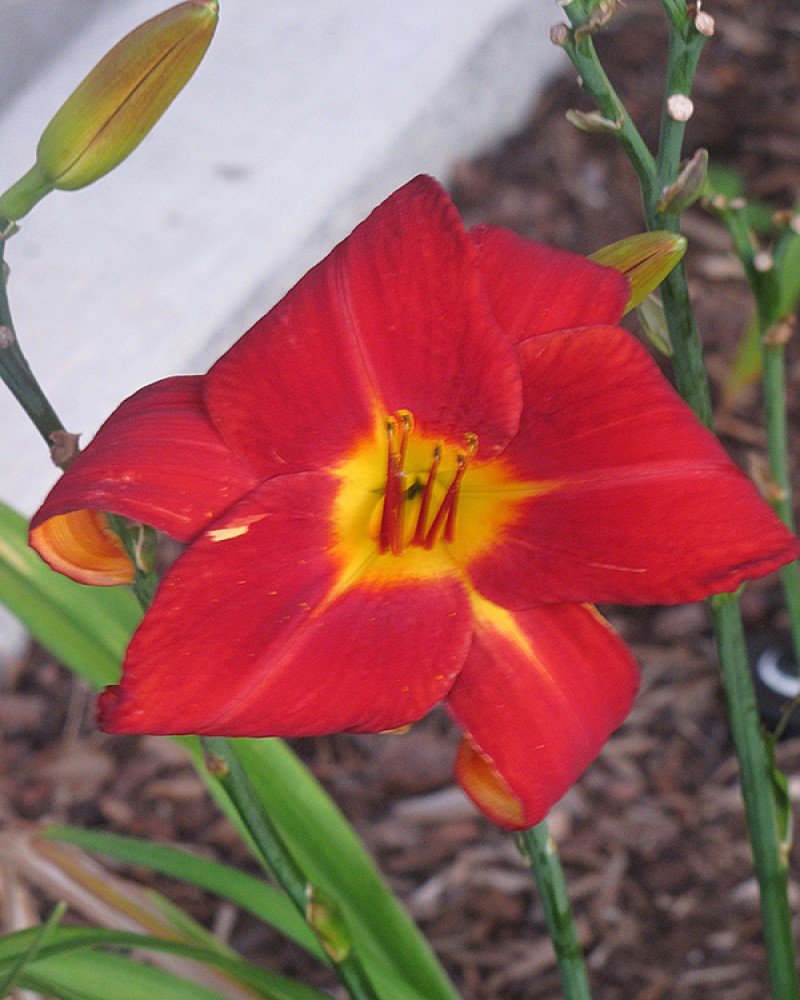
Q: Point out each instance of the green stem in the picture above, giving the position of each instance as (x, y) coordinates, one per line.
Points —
(773, 355)
(771, 871)
(685, 46)
(14, 368)
(276, 858)
(582, 52)
(539, 849)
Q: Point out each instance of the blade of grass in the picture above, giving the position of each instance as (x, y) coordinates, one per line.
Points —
(247, 892)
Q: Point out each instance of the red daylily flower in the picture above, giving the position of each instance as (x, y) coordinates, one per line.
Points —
(404, 485)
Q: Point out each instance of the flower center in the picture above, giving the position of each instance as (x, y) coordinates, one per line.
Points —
(402, 488)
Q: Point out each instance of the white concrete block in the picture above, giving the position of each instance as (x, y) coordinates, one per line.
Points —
(303, 116)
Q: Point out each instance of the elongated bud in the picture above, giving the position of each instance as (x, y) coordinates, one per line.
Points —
(115, 106)
(646, 259)
(653, 321)
(688, 187)
(592, 121)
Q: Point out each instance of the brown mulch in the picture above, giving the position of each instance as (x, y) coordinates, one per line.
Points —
(652, 837)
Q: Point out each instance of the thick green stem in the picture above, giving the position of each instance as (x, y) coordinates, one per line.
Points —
(539, 849)
(276, 858)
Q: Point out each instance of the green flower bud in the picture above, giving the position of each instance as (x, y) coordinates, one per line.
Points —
(646, 259)
(592, 121)
(117, 104)
(689, 186)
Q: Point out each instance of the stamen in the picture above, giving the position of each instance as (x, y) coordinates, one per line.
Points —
(425, 503)
(392, 534)
(392, 521)
(443, 513)
(391, 498)
(447, 511)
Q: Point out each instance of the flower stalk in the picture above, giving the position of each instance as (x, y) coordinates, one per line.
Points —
(316, 908)
(539, 849)
(686, 40)
(15, 370)
(756, 779)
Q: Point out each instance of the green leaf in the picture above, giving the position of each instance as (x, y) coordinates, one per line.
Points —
(96, 975)
(394, 953)
(71, 966)
(86, 628)
(14, 973)
(252, 894)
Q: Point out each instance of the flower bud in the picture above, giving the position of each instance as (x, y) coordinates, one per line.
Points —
(653, 322)
(689, 186)
(592, 121)
(646, 259)
(117, 104)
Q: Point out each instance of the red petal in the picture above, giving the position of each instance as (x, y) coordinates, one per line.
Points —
(535, 289)
(647, 508)
(157, 459)
(394, 318)
(539, 695)
(247, 636)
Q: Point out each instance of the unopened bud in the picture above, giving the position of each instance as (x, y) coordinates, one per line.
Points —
(116, 105)
(688, 187)
(680, 107)
(653, 321)
(645, 259)
(592, 121)
(780, 333)
(704, 24)
(763, 262)
(559, 34)
(601, 13)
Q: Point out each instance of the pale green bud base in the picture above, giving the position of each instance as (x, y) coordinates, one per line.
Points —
(20, 198)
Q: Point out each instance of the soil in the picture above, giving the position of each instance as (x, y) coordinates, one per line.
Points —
(652, 838)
